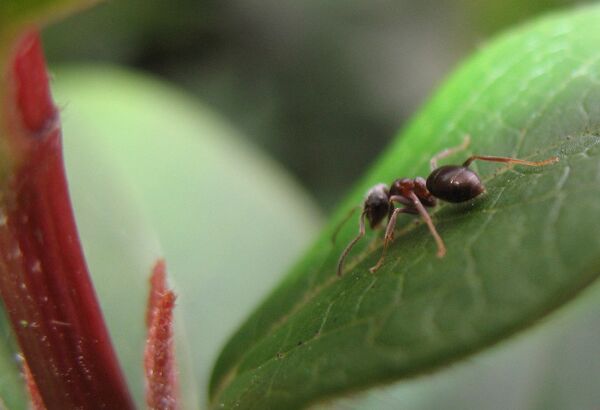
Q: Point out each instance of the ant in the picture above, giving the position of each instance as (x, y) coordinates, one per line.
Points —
(450, 183)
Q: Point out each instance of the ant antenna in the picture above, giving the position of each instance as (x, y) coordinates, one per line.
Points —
(361, 233)
(339, 226)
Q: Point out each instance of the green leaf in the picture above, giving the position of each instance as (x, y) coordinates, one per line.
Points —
(15, 14)
(12, 388)
(154, 173)
(119, 242)
(552, 366)
(517, 253)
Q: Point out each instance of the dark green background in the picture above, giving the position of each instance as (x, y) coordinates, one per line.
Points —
(322, 86)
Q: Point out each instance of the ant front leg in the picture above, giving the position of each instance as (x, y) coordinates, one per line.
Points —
(449, 151)
(391, 225)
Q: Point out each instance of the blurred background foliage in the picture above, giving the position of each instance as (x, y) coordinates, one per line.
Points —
(321, 86)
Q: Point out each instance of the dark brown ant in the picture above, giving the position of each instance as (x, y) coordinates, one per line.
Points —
(450, 183)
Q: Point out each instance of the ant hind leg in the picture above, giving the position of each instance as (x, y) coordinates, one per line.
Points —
(449, 151)
(509, 160)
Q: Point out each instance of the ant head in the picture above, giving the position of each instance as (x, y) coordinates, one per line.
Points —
(377, 205)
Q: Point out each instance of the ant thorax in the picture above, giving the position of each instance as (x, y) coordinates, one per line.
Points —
(404, 186)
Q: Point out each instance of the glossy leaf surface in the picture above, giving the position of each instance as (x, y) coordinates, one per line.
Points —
(515, 254)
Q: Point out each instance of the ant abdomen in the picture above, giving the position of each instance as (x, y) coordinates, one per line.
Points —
(454, 183)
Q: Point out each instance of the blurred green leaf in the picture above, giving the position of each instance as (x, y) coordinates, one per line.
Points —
(523, 249)
(15, 14)
(147, 164)
(12, 388)
(119, 242)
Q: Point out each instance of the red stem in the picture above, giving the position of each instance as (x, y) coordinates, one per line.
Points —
(35, 399)
(162, 386)
(44, 282)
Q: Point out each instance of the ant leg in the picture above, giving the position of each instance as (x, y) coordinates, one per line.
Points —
(449, 151)
(509, 160)
(423, 212)
(342, 223)
(408, 209)
(361, 233)
(389, 232)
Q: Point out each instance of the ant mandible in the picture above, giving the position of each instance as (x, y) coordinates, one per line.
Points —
(450, 183)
